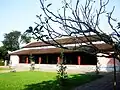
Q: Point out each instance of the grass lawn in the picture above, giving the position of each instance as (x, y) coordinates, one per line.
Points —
(40, 81)
(1, 69)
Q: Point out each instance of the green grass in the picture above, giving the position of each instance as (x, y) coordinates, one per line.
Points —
(1, 69)
(40, 81)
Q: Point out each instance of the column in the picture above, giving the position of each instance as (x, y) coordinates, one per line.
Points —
(5, 62)
(40, 60)
(26, 60)
(58, 60)
(19, 59)
(79, 60)
(47, 59)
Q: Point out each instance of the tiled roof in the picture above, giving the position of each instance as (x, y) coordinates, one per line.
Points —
(71, 40)
(42, 48)
(103, 47)
(39, 51)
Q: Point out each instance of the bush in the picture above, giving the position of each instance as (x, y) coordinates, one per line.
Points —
(1, 63)
(61, 72)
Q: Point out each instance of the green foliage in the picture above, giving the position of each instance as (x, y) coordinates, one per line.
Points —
(61, 72)
(3, 52)
(25, 38)
(10, 41)
(1, 62)
(61, 75)
(31, 58)
(32, 65)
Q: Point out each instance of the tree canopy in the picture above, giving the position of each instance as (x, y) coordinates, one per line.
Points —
(3, 52)
(25, 38)
(10, 41)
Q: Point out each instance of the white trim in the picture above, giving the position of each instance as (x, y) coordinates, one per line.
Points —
(102, 54)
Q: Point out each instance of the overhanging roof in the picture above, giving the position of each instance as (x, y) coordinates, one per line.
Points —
(103, 47)
(70, 40)
(39, 51)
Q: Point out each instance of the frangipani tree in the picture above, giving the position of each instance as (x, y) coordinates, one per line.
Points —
(80, 20)
(74, 19)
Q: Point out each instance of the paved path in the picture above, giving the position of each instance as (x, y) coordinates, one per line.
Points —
(105, 83)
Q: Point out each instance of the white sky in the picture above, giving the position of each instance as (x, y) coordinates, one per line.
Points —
(20, 14)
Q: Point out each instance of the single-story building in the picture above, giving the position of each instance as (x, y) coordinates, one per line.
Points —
(46, 57)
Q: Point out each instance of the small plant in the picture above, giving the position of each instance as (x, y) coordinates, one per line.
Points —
(32, 65)
(1, 62)
(61, 72)
(97, 67)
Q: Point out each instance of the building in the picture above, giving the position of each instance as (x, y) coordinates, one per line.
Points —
(46, 57)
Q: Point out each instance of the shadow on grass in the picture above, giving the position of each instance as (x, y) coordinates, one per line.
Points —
(72, 82)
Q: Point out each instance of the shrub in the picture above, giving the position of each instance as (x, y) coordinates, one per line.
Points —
(1, 62)
(61, 72)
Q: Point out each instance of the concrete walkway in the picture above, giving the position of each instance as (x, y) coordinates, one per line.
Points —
(105, 83)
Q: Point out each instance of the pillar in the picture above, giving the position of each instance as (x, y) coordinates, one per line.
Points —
(58, 60)
(26, 60)
(79, 60)
(47, 59)
(40, 60)
(5, 63)
(19, 59)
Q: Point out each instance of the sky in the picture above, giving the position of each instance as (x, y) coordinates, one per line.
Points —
(20, 14)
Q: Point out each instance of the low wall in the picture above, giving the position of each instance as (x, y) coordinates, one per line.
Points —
(54, 67)
(107, 64)
(108, 68)
(70, 68)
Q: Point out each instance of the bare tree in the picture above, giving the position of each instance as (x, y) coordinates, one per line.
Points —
(83, 19)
